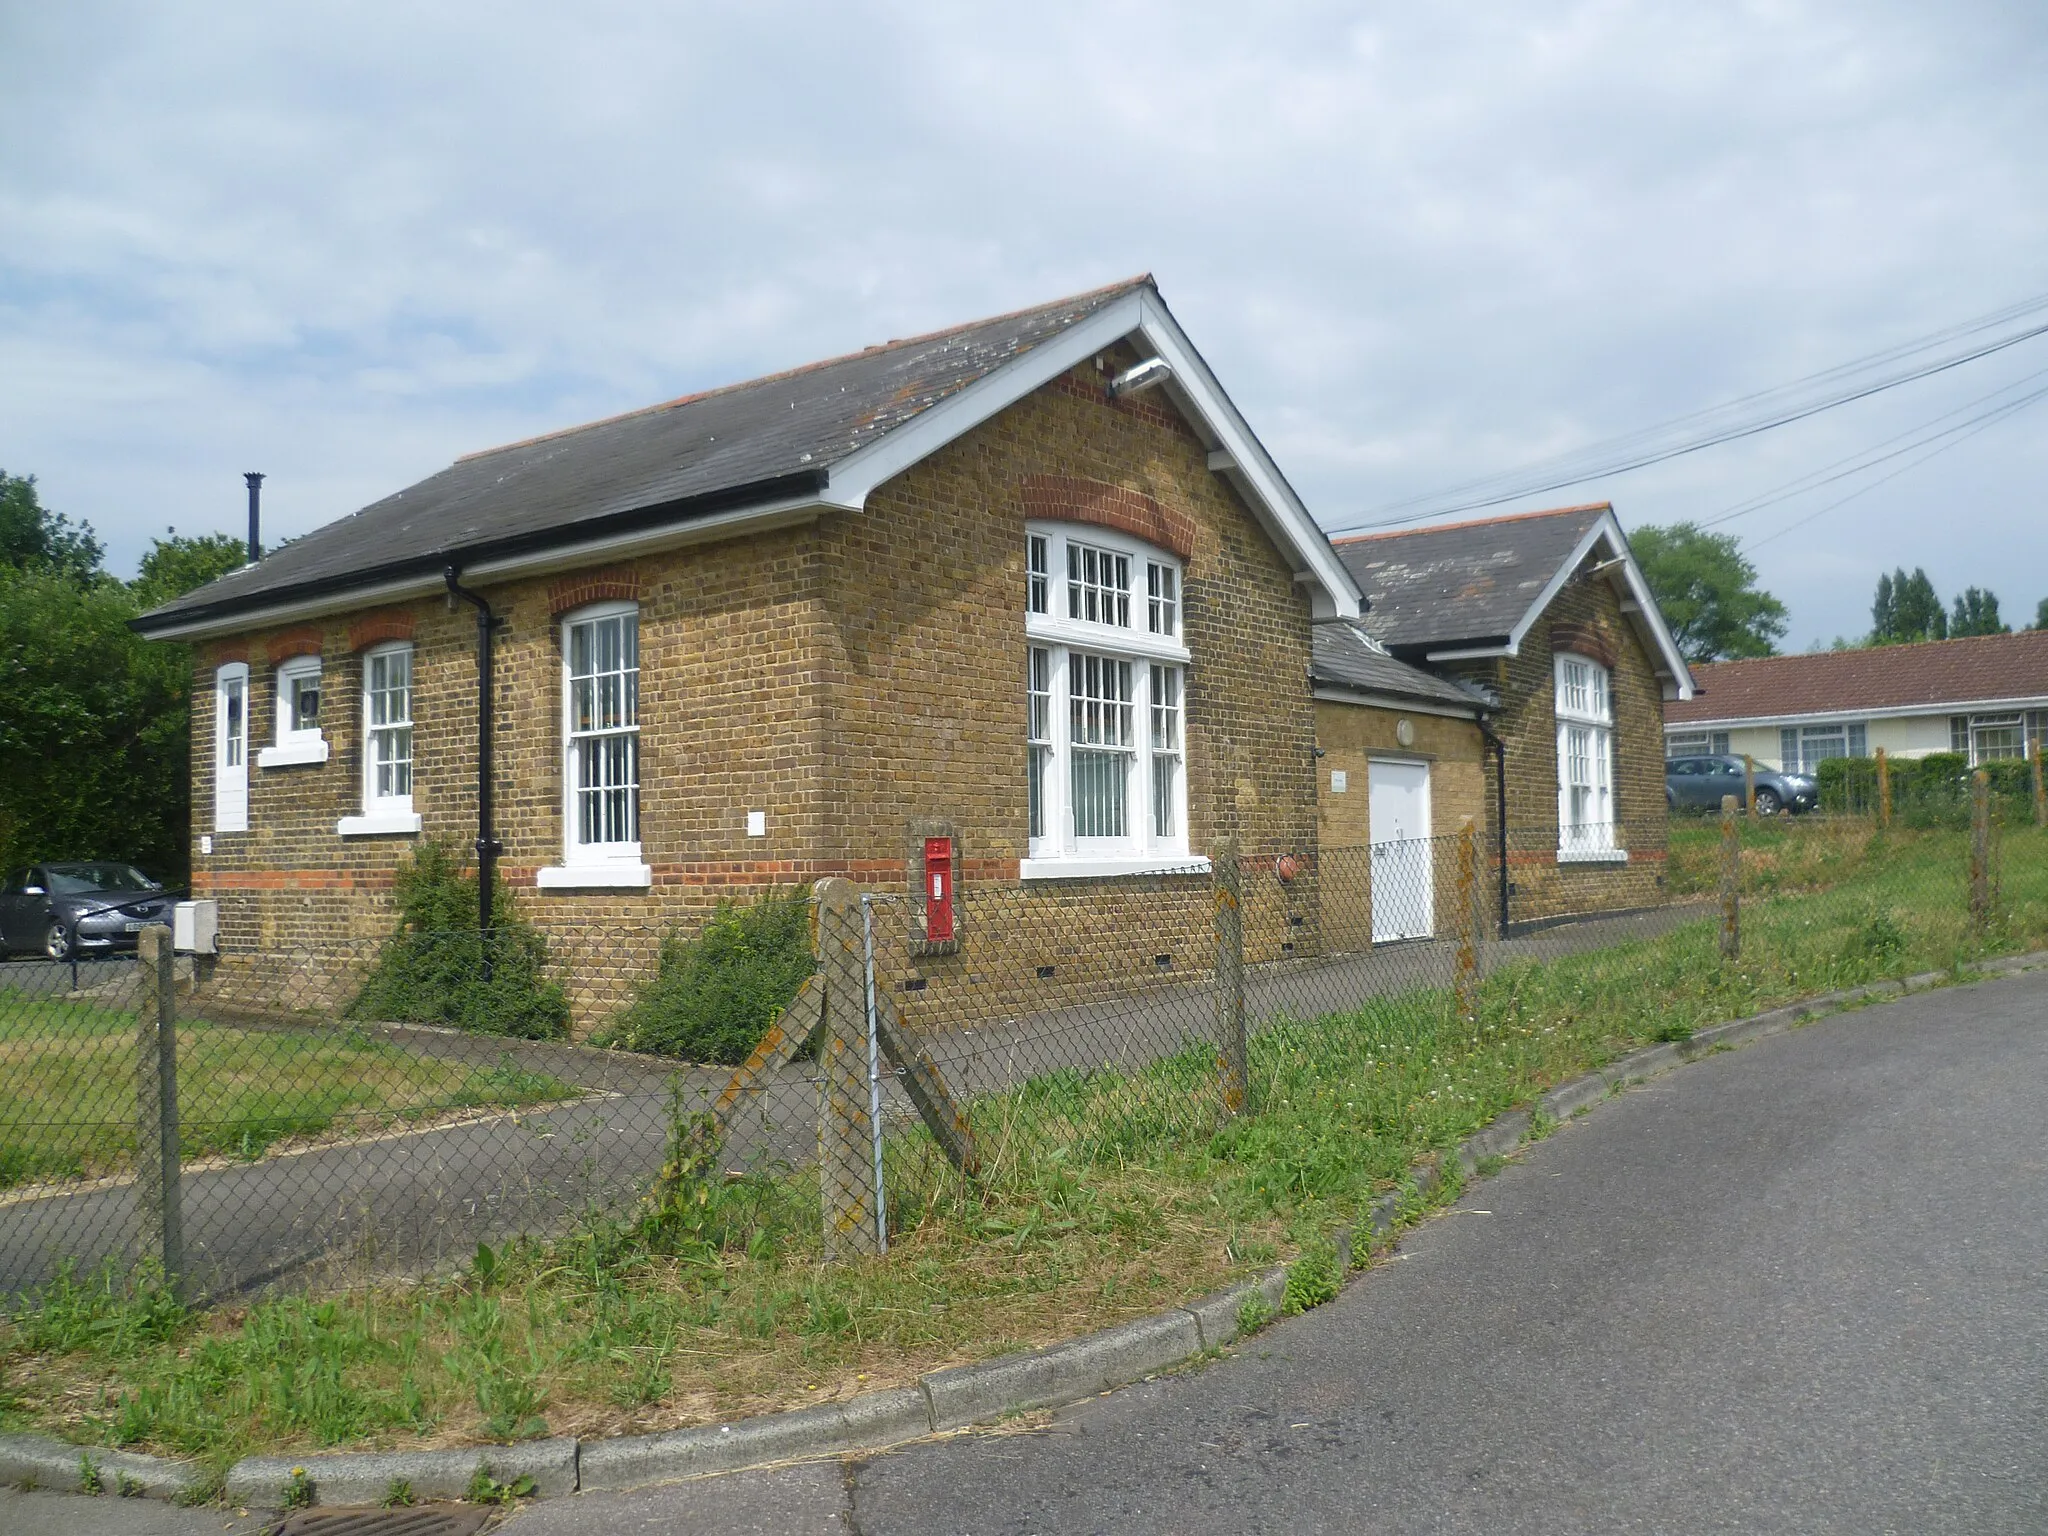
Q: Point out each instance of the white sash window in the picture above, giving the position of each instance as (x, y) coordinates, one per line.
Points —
(387, 745)
(601, 749)
(1585, 761)
(1105, 673)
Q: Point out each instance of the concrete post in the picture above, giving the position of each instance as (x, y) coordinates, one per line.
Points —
(1465, 986)
(1233, 1057)
(1731, 880)
(846, 1165)
(2040, 785)
(1749, 783)
(1884, 790)
(1980, 852)
(159, 1216)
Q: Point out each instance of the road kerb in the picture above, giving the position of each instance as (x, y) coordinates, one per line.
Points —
(366, 1477)
(32, 1461)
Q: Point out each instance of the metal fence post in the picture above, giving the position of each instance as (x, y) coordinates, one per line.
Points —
(1884, 789)
(846, 1169)
(1233, 1058)
(159, 1217)
(1466, 985)
(1980, 852)
(1731, 880)
(2040, 785)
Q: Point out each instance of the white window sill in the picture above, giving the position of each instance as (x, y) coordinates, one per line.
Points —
(382, 824)
(620, 875)
(1104, 868)
(1592, 855)
(292, 753)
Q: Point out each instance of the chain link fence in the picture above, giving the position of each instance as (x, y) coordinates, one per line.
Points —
(849, 1058)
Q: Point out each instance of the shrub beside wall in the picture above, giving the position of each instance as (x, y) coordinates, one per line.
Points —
(714, 996)
(434, 969)
(1926, 791)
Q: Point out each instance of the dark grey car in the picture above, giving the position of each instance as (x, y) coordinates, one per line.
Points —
(73, 909)
(1698, 783)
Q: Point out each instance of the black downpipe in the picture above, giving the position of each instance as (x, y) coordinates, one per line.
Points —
(487, 845)
(255, 483)
(1500, 799)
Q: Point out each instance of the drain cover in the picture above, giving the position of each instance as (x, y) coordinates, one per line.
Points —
(425, 1520)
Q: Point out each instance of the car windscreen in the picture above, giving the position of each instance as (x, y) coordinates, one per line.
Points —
(82, 879)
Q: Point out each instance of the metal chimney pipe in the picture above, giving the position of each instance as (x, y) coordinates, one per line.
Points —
(255, 483)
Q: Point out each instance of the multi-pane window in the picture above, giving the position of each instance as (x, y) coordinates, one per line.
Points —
(1696, 743)
(1162, 598)
(298, 700)
(231, 748)
(1802, 749)
(1098, 585)
(1166, 750)
(1585, 758)
(1105, 737)
(602, 651)
(387, 728)
(1038, 731)
(1993, 737)
(1103, 743)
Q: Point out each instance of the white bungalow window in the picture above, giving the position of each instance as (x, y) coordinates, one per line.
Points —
(1585, 761)
(601, 749)
(387, 745)
(298, 716)
(1105, 744)
(231, 748)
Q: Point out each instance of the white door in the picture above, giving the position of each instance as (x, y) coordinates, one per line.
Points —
(1403, 866)
(231, 748)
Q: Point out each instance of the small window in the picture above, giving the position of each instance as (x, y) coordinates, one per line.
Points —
(1165, 710)
(1098, 585)
(298, 738)
(1038, 737)
(1039, 574)
(231, 748)
(1162, 589)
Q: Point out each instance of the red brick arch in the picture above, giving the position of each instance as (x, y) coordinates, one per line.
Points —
(619, 583)
(376, 628)
(303, 641)
(1584, 640)
(226, 652)
(1076, 499)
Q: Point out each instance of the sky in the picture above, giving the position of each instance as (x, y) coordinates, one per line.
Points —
(345, 243)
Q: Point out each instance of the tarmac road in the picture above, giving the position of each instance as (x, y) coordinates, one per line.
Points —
(1794, 1288)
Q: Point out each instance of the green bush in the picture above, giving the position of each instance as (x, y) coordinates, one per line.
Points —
(1930, 791)
(713, 997)
(438, 967)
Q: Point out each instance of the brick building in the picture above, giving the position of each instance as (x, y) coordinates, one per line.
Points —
(1030, 584)
(1531, 641)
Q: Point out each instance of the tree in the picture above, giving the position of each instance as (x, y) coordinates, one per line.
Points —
(1906, 609)
(34, 538)
(1976, 613)
(175, 566)
(2040, 615)
(1708, 593)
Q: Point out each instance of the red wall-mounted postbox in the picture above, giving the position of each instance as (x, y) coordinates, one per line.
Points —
(938, 889)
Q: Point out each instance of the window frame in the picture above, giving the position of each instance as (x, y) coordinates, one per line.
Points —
(386, 815)
(230, 806)
(292, 746)
(1591, 839)
(607, 863)
(1068, 645)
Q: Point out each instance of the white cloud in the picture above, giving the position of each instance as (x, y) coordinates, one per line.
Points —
(344, 244)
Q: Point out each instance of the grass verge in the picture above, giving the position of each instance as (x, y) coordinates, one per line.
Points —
(1112, 1195)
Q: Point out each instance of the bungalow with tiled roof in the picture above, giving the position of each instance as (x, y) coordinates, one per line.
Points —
(1985, 696)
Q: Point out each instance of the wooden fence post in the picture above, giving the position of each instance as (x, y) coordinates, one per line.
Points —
(1749, 783)
(159, 1214)
(1884, 790)
(1980, 852)
(1233, 1055)
(1731, 881)
(1466, 984)
(2040, 786)
(846, 1165)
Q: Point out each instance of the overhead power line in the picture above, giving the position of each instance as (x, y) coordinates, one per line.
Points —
(1732, 420)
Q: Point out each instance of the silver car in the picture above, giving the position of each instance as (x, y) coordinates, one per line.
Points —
(69, 910)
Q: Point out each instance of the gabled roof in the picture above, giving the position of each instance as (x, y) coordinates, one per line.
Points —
(1349, 659)
(784, 447)
(1476, 589)
(1930, 677)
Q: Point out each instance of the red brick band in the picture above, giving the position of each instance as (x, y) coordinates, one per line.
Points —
(618, 584)
(304, 641)
(1075, 499)
(1583, 640)
(376, 628)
